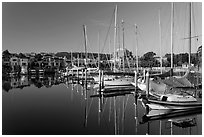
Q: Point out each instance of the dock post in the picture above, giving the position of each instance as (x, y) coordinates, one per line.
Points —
(147, 84)
(135, 82)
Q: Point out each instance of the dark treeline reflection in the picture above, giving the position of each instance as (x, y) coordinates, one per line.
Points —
(38, 81)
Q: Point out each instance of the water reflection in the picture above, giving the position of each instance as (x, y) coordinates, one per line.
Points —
(94, 112)
(176, 125)
(38, 81)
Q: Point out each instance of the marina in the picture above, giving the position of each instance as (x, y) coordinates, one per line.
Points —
(107, 69)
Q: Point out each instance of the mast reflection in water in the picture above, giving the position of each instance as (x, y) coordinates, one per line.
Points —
(54, 105)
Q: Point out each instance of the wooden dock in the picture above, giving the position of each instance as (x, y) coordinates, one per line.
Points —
(109, 89)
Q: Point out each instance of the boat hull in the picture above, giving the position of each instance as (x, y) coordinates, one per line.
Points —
(173, 105)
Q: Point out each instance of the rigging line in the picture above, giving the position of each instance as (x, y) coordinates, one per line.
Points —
(184, 29)
(142, 40)
(127, 59)
(194, 25)
(165, 36)
(177, 29)
(89, 44)
(109, 64)
(107, 59)
(107, 37)
(108, 30)
(91, 52)
(118, 43)
(193, 22)
(134, 52)
(165, 33)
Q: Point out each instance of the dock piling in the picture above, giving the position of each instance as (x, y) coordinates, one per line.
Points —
(147, 84)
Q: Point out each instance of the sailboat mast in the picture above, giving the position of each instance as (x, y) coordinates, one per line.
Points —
(137, 64)
(160, 43)
(123, 45)
(190, 8)
(85, 40)
(172, 25)
(109, 52)
(98, 50)
(115, 33)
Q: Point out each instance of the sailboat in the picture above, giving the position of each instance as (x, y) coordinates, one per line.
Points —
(171, 93)
(113, 80)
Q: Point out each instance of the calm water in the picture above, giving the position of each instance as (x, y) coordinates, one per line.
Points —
(50, 105)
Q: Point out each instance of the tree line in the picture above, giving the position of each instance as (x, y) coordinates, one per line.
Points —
(147, 60)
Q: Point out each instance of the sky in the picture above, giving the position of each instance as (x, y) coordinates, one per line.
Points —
(57, 26)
